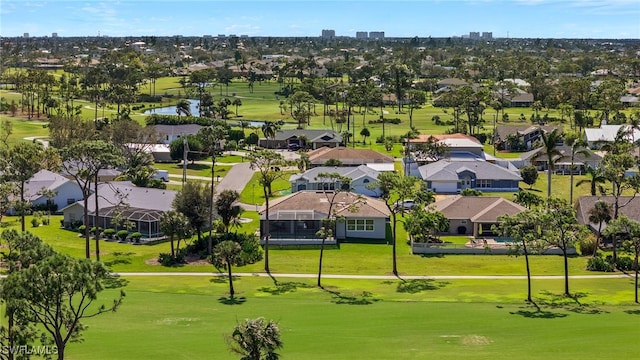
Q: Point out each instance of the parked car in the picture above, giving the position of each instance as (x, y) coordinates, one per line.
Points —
(405, 205)
(293, 147)
(162, 175)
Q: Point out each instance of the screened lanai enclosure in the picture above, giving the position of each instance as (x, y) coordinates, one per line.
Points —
(294, 225)
(144, 221)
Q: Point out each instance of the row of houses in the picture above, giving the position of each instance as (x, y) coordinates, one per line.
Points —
(120, 203)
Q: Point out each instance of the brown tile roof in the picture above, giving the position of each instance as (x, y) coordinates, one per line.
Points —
(586, 203)
(316, 201)
(481, 209)
(348, 156)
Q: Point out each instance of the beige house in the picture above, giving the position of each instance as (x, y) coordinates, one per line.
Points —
(475, 215)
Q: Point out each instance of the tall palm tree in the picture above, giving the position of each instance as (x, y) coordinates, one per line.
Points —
(269, 129)
(595, 177)
(549, 145)
(174, 224)
(578, 147)
(598, 214)
(226, 254)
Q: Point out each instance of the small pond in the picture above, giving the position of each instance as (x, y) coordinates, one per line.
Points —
(195, 104)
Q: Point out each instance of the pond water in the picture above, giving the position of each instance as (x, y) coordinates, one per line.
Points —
(171, 110)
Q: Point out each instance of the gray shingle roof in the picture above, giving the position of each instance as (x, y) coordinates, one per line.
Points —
(110, 194)
(448, 170)
(312, 135)
(351, 172)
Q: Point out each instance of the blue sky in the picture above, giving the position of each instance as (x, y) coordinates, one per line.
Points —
(437, 18)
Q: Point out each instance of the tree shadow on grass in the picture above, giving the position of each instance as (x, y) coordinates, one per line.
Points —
(533, 311)
(570, 303)
(232, 300)
(632, 312)
(115, 282)
(364, 298)
(223, 279)
(119, 257)
(544, 307)
(418, 285)
(280, 288)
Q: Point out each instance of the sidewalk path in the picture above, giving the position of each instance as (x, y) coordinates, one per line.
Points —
(380, 277)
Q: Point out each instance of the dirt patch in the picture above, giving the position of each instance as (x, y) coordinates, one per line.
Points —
(476, 340)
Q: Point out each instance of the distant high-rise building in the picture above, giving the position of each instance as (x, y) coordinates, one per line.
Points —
(25, 35)
(487, 35)
(362, 35)
(474, 35)
(328, 34)
(54, 35)
(376, 35)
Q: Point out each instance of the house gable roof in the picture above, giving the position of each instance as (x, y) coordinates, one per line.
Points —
(316, 201)
(113, 193)
(43, 179)
(447, 170)
(585, 203)
(480, 209)
(353, 173)
(312, 135)
(348, 156)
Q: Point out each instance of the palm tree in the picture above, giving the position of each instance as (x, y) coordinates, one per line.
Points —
(578, 146)
(174, 224)
(236, 103)
(269, 129)
(183, 107)
(550, 141)
(256, 339)
(226, 254)
(595, 177)
(598, 214)
(227, 208)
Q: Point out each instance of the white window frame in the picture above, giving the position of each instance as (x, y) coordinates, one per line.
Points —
(367, 225)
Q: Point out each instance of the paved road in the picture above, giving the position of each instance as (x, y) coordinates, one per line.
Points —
(236, 179)
(380, 277)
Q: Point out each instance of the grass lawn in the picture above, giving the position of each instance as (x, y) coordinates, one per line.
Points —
(370, 259)
(254, 194)
(194, 169)
(189, 317)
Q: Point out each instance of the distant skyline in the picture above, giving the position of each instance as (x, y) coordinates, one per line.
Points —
(610, 19)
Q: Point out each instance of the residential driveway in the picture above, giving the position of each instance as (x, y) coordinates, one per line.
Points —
(236, 179)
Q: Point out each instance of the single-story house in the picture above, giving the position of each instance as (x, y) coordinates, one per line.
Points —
(104, 175)
(305, 138)
(296, 218)
(475, 215)
(361, 177)
(584, 204)
(169, 133)
(562, 162)
(348, 156)
(596, 137)
(452, 176)
(141, 206)
(520, 137)
(64, 191)
(160, 152)
(451, 82)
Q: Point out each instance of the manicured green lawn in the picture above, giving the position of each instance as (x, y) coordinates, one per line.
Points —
(197, 169)
(349, 258)
(254, 194)
(187, 318)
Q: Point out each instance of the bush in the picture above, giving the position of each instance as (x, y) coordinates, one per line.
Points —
(158, 119)
(482, 137)
(136, 237)
(45, 221)
(122, 235)
(81, 229)
(35, 222)
(597, 263)
(624, 263)
(165, 259)
(109, 233)
(587, 245)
